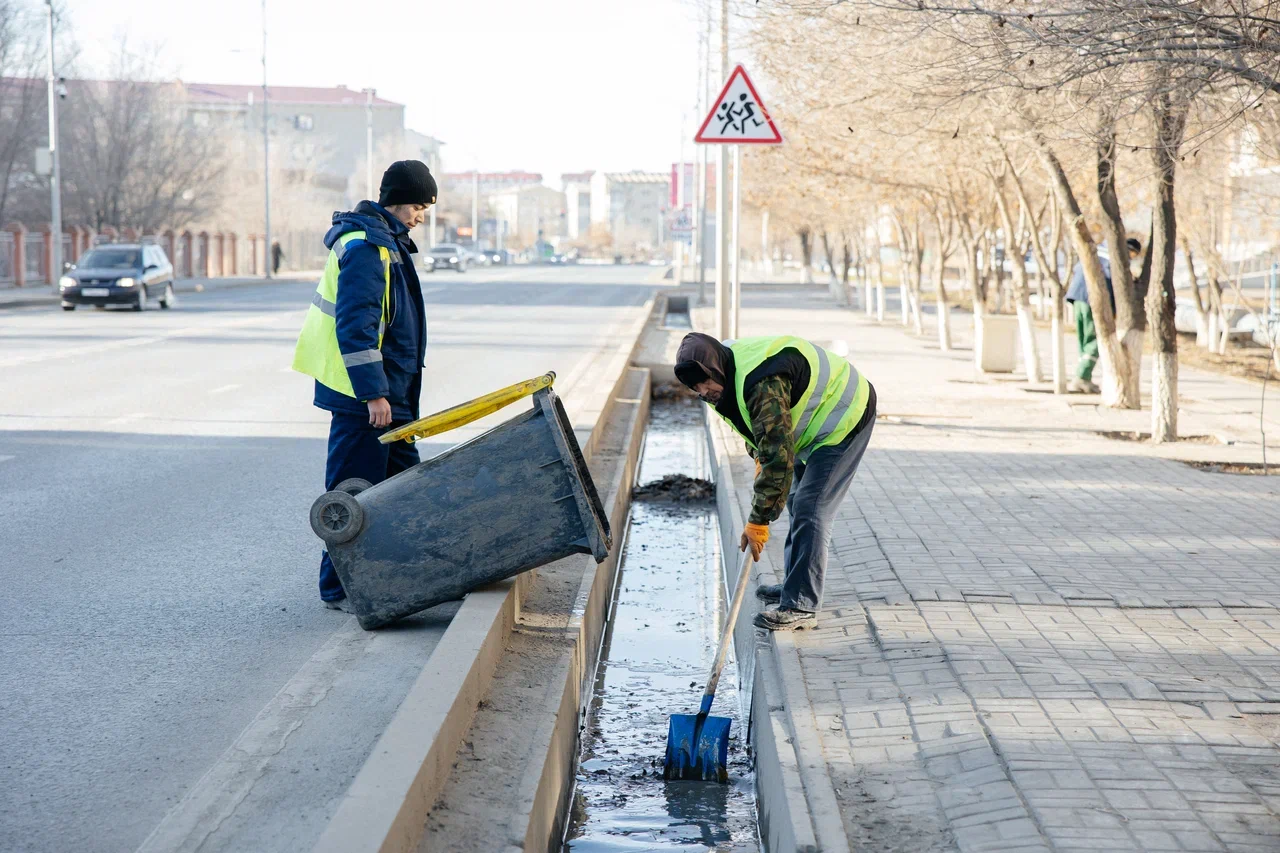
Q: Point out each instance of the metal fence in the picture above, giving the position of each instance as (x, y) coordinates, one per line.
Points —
(6, 258)
(33, 249)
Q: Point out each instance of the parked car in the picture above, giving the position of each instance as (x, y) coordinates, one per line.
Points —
(498, 257)
(448, 256)
(129, 274)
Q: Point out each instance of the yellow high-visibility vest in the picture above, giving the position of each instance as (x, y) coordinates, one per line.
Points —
(830, 407)
(317, 354)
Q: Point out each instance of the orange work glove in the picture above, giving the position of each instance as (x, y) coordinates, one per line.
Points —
(759, 468)
(755, 535)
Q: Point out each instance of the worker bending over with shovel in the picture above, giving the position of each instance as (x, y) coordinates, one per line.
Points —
(806, 415)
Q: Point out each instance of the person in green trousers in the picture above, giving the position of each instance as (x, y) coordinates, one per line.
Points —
(1086, 331)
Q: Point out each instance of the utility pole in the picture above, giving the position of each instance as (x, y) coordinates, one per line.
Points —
(700, 224)
(677, 240)
(735, 289)
(55, 175)
(724, 311)
(368, 143)
(266, 155)
(475, 208)
(766, 261)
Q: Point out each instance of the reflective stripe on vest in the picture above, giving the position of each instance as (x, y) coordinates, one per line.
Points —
(317, 353)
(829, 408)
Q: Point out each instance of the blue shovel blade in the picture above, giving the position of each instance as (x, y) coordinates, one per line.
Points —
(697, 752)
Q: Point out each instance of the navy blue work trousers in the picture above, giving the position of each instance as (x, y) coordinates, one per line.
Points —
(354, 451)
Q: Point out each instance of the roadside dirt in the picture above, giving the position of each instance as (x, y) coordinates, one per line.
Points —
(1272, 469)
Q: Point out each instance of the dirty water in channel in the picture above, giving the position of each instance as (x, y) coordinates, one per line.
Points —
(660, 643)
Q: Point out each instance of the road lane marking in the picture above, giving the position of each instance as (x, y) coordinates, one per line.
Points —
(224, 389)
(127, 419)
(91, 349)
(221, 790)
(7, 458)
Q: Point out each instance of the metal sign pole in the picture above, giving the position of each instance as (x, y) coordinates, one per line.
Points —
(735, 296)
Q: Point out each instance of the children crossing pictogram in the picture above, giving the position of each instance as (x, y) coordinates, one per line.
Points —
(738, 116)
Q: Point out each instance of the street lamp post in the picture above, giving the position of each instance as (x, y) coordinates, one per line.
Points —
(266, 156)
(475, 208)
(368, 143)
(724, 310)
(55, 175)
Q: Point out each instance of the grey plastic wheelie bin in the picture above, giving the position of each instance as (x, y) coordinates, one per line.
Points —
(514, 498)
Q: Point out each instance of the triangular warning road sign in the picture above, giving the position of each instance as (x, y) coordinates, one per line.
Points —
(738, 116)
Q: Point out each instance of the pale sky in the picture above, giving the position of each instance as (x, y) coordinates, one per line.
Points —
(550, 86)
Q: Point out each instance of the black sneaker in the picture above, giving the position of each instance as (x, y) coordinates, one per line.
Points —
(785, 619)
(770, 592)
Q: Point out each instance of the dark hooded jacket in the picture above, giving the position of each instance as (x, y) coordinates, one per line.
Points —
(398, 375)
(716, 360)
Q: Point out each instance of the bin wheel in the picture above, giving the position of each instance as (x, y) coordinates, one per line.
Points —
(336, 517)
(353, 485)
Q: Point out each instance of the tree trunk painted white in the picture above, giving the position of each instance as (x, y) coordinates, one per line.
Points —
(1211, 331)
(943, 306)
(1164, 397)
(1027, 331)
(979, 314)
(916, 319)
(1059, 352)
(866, 292)
(1116, 393)
(903, 300)
(879, 296)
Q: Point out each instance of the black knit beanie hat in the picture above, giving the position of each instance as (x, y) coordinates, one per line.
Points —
(407, 182)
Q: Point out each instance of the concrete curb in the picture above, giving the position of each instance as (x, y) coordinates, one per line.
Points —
(545, 805)
(385, 808)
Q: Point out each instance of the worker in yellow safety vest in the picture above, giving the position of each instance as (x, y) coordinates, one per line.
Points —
(364, 339)
(806, 415)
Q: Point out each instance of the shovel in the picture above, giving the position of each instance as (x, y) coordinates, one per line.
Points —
(698, 744)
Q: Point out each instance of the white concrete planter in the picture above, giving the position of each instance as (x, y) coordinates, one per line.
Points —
(995, 342)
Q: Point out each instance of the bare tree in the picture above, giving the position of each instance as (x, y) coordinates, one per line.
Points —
(133, 157)
(22, 98)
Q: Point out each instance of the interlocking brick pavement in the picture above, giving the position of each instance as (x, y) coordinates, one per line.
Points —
(1034, 638)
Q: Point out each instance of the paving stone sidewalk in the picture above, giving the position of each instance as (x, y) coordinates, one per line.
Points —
(1033, 637)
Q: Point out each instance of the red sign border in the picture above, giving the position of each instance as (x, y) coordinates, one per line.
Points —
(739, 69)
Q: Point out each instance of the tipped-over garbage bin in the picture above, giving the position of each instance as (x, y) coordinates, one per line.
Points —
(515, 498)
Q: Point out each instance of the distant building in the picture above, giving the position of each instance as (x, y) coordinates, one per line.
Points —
(319, 145)
(320, 129)
(419, 146)
(577, 203)
(632, 205)
(490, 182)
(530, 212)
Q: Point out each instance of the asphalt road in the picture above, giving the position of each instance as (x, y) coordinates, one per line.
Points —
(159, 575)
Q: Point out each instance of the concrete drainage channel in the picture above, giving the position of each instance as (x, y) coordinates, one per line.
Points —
(661, 636)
